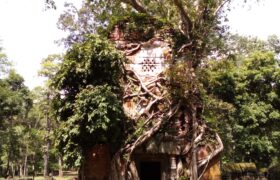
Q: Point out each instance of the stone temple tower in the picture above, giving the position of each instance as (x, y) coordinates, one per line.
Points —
(161, 141)
(161, 157)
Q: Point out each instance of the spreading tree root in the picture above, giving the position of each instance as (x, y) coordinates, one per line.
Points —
(148, 96)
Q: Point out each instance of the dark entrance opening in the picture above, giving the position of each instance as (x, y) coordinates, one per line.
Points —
(150, 170)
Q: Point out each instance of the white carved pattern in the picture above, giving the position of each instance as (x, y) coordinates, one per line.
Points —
(149, 65)
(148, 62)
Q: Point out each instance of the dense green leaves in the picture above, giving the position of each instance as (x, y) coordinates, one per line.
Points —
(15, 99)
(98, 119)
(102, 110)
(93, 62)
(4, 64)
(251, 89)
(90, 104)
(15, 103)
(199, 22)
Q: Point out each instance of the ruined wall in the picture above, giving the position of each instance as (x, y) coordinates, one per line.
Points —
(97, 165)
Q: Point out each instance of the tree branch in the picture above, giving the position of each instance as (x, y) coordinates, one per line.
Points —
(184, 47)
(133, 95)
(145, 87)
(221, 6)
(136, 5)
(149, 133)
(133, 50)
(187, 23)
(214, 154)
(199, 137)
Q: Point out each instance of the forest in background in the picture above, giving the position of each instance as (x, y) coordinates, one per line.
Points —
(239, 81)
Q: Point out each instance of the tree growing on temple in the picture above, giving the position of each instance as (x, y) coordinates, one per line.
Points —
(93, 83)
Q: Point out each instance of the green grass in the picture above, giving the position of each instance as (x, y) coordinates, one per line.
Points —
(67, 176)
(42, 178)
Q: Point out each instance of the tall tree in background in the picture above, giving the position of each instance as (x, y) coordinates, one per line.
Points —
(257, 102)
(26, 122)
(49, 68)
(243, 93)
(15, 104)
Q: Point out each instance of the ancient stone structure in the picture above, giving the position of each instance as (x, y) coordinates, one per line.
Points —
(166, 137)
(97, 165)
(164, 155)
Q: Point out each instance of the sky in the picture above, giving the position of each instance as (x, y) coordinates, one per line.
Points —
(260, 19)
(27, 32)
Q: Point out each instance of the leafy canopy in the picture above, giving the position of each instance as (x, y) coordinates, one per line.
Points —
(247, 106)
(90, 99)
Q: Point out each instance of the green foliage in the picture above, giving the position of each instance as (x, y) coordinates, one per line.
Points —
(274, 43)
(99, 16)
(183, 178)
(136, 132)
(238, 47)
(183, 84)
(5, 64)
(142, 25)
(50, 66)
(246, 105)
(93, 62)
(77, 22)
(15, 103)
(101, 110)
(14, 96)
(97, 119)
(89, 77)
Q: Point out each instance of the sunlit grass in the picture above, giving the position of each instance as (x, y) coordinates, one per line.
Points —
(67, 176)
(42, 178)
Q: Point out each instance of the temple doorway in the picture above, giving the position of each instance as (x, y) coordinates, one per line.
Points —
(150, 170)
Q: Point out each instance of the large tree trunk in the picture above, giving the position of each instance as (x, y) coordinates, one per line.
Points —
(47, 149)
(25, 168)
(20, 170)
(46, 160)
(194, 173)
(81, 172)
(33, 166)
(13, 169)
(10, 148)
(7, 173)
(60, 164)
(117, 171)
(48, 142)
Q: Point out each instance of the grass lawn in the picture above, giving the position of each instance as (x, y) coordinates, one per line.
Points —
(67, 176)
(42, 178)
